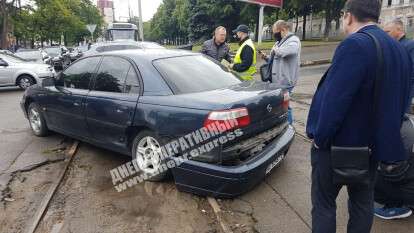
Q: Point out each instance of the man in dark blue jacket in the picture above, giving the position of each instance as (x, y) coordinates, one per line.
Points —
(396, 30)
(342, 114)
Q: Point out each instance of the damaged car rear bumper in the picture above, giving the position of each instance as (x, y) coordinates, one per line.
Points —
(231, 181)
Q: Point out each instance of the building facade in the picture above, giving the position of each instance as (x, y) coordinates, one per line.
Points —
(106, 7)
(391, 9)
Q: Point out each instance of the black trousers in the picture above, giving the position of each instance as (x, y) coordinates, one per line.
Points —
(324, 193)
(394, 194)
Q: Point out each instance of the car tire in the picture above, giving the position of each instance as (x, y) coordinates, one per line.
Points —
(25, 81)
(37, 120)
(148, 162)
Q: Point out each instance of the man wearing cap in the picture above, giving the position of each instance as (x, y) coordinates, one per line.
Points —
(245, 59)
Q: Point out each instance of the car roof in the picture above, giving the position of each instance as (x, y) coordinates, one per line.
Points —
(122, 42)
(150, 54)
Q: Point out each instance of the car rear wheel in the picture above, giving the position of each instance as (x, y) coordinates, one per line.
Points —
(37, 120)
(25, 81)
(146, 150)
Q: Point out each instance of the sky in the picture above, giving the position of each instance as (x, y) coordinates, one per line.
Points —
(149, 7)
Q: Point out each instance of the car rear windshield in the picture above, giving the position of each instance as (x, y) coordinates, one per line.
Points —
(189, 74)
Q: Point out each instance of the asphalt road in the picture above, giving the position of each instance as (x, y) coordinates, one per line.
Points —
(281, 204)
(87, 202)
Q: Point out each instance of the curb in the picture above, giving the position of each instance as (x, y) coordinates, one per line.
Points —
(217, 211)
(316, 62)
(321, 45)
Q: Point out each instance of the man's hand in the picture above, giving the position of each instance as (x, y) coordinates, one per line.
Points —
(263, 55)
(231, 66)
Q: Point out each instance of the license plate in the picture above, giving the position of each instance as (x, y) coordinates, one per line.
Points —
(274, 164)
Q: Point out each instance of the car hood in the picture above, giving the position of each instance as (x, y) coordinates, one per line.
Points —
(30, 65)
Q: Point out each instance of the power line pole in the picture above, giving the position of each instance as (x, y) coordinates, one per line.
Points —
(141, 26)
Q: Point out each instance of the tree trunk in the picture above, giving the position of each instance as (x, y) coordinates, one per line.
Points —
(297, 24)
(3, 38)
(304, 27)
(328, 18)
(256, 35)
(338, 24)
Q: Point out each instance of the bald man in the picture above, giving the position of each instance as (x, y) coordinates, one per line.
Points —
(396, 30)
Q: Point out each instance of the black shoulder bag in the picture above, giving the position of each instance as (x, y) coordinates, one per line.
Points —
(266, 69)
(351, 165)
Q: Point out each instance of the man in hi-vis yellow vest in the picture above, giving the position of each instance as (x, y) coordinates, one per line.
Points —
(245, 60)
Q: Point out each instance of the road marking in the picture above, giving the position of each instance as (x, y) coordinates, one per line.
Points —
(52, 190)
(217, 211)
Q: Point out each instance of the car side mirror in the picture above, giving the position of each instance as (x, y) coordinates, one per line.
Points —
(48, 82)
(3, 63)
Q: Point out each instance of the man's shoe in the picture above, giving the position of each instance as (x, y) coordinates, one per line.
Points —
(393, 213)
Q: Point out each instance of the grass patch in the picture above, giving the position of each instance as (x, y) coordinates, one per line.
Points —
(266, 45)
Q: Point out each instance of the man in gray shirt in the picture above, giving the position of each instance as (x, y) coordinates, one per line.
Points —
(217, 48)
(286, 58)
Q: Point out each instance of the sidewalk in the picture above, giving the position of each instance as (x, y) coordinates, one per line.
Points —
(281, 204)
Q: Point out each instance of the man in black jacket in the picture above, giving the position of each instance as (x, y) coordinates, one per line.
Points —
(245, 59)
(217, 48)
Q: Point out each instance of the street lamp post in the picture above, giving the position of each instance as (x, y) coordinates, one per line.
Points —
(141, 26)
(261, 19)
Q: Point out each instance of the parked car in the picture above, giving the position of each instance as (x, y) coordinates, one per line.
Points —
(33, 55)
(57, 56)
(8, 52)
(120, 45)
(135, 101)
(15, 71)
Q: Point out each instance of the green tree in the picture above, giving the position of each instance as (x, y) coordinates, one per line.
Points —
(332, 10)
(6, 7)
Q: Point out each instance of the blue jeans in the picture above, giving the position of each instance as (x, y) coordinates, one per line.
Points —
(290, 114)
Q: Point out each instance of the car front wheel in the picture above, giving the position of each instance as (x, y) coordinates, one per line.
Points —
(146, 149)
(37, 120)
(25, 81)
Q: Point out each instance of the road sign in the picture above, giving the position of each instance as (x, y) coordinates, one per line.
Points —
(263, 3)
(271, 3)
(91, 28)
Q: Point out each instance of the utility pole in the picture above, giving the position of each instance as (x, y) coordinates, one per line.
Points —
(261, 19)
(141, 25)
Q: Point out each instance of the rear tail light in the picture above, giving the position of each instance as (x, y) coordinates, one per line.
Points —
(286, 99)
(228, 119)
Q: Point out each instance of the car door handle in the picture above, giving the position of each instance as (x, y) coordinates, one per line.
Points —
(76, 104)
(119, 111)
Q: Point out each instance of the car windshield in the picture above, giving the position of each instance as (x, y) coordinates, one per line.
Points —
(151, 46)
(83, 48)
(122, 34)
(189, 74)
(53, 52)
(30, 55)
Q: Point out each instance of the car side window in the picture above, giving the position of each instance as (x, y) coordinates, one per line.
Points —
(131, 83)
(79, 74)
(112, 74)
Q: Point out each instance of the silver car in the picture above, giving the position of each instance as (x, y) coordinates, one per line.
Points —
(15, 71)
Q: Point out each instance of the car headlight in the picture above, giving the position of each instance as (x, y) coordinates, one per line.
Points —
(44, 69)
